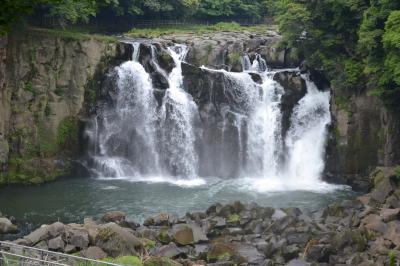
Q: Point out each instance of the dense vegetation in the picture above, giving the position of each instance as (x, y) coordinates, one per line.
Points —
(356, 42)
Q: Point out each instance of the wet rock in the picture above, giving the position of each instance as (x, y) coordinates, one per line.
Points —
(114, 216)
(158, 220)
(318, 253)
(290, 252)
(6, 226)
(94, 253)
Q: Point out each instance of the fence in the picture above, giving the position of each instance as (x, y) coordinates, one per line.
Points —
(16, 255)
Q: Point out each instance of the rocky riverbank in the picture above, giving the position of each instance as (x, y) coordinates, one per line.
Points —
(363, 231)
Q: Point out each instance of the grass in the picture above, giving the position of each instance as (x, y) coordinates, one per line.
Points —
(194, 28)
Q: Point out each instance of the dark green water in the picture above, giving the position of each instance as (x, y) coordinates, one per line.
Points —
(71, 200)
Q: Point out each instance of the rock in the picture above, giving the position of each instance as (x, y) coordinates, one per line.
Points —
(158, 220)
(117, 241)
(183, 234)
(198, 235)
(114, 216)
(160, 261)
(94, 253)
(38, 235)
(393, 232)
(249, 254)
(318, 253)
(42, 245)
(69, 249)
(290, 252)
(56, 244)
(77, 237)
(220, 252)
(200, 251)
(56, 229)
(382, 191)
(297, 262)
(389, 215)
(278, 214)
(169, 251)
(92, 229)
(6, 226)
(374, 222)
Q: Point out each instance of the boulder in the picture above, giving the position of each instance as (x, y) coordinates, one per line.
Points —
(220, 251)
(6, 226)
(160, 261)
(374, 222)
(38, 235)
(94, 253)
(158, 220)
(77, 237)
(182, 234)
(389, 215)
(383, 190)
(114, 216)
(169, 251)
(117, 241)
(56, 244)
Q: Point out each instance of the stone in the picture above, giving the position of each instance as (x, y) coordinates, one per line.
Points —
(92, 229)
(77, 237)
(278, 214)
(117, 241)
(69, 249)
(382, 191)
(56, 244)
(169, 251)
(220, 251)
(114, 216)
(290, 252)
(389, 215)
(158, 220)
(393, 232)
(56, 229)
(182, 234)
(160, 261)
(318, 253)
(198, 234)
(38, 235)
(297, 262)
(249, 254)
(6, 226)
(94, 253)
(374, 222)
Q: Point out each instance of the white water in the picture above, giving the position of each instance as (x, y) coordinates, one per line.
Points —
(141, 142)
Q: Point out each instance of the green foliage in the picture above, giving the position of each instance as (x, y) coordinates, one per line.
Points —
(29, 87)
(47, 110)
(392, 258)
(356, 42)
(67, 133)
(397, 171)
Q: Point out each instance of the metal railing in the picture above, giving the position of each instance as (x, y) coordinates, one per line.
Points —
(17, 255)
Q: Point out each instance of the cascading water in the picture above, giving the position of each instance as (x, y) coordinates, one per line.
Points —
(138, 139)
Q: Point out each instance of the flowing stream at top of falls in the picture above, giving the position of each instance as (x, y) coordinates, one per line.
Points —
(136, 138)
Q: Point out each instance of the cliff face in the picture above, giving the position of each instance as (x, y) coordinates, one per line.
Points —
(46, 87)
(364, 135)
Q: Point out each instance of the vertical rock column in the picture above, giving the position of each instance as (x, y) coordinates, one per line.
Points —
(4, 106)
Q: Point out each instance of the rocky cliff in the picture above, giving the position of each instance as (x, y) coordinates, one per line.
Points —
(364, 134)
(47, 84)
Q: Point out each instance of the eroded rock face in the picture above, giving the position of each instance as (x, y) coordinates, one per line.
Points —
(47, 84)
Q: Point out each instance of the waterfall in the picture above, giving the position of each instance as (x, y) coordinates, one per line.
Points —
(140, 137)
